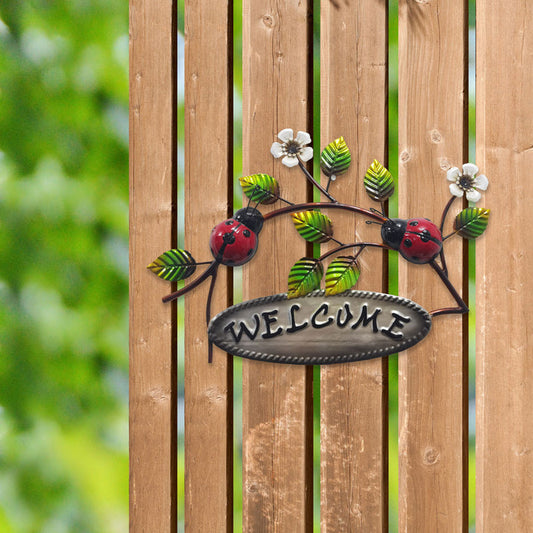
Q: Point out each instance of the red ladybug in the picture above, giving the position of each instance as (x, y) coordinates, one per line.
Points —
(234, 241)
(418, 240)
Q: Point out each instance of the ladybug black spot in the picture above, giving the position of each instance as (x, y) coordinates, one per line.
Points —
(246, 233)
(414, 223)
(228, 238)
(415, 258)
(407, 243)
(424, 236)
(250, 251)
(229, 222)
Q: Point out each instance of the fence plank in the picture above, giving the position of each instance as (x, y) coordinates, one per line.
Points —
(504, 366)
(354, 402)
(153, 414)
(277, 421)
(432, 376)
(208, 201)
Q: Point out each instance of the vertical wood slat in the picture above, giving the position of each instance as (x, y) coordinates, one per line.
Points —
(277, 403)
(504, 278)
(153, 413)
(208, 201)
(354, 400)
(432, 376)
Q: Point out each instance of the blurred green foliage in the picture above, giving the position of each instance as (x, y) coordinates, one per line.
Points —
(63, 280)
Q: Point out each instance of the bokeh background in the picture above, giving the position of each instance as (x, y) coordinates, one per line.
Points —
(64, 274)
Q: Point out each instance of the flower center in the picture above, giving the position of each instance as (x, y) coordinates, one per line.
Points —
(466, 182)
(292, 148)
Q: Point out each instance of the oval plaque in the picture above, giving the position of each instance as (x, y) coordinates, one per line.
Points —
(319, 330)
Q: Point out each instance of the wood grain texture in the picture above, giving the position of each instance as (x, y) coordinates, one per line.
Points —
(504, 277)
(208, 201)
(153, 414)
(277, 403)
(354, 401)
(432, 376)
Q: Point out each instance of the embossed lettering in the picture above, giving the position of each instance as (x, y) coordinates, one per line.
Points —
(295, 327)
(398, 322)
(349, 315)
(243, 328)
(324, 308)
(270, 319)
(365, 319)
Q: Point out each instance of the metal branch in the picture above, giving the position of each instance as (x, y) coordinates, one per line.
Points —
(463, 308)
(319, 205)
(315, 183)
(208, 312)
(445, 212)
(354, 245)
(191, 286)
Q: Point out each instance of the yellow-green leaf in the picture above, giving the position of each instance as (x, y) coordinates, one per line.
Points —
(471, 222)
(313, 226)
(378, 182)
(305, 276)
(335, 158)
(260, 188)
(342, 274)
(174, 265)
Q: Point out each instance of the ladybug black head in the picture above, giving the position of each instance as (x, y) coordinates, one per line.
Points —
(250, 217)
(392, 232)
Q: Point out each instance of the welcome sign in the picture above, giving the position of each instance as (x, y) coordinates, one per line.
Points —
(307, 325)
(316, 330)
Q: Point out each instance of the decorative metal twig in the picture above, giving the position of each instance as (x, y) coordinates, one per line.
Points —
(445, 212)
(194, 284)
(315, 183)
(318, 205)
(463, 308)
(361, 245)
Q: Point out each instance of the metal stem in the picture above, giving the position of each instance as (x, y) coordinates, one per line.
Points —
(315, 183)
(319, 205)
(192, 285)
(354, 245)
(443, 262)
(208, 312)
(463, 308)
(445, 212)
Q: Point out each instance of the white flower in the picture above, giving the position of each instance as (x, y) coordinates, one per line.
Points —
(467, 182)
(292, 149)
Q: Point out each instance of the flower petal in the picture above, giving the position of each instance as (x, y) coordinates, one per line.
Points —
(306, 153)
(290, 161)
(455, 190)
(453, 174)
(470, 169)
(286, 135)
(303, 138)
(481, 182)
(472, 195)
(276, 149)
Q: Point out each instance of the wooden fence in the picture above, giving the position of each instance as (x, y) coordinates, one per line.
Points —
(277, 399)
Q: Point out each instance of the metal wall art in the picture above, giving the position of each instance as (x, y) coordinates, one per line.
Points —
(308, 325)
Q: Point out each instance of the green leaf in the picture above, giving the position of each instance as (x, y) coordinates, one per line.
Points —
(173, 265)
(471, 222)
(313, 226)
(335, 158)
(260, 188)
(305, 276)
(342, 274)
(378, 182)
